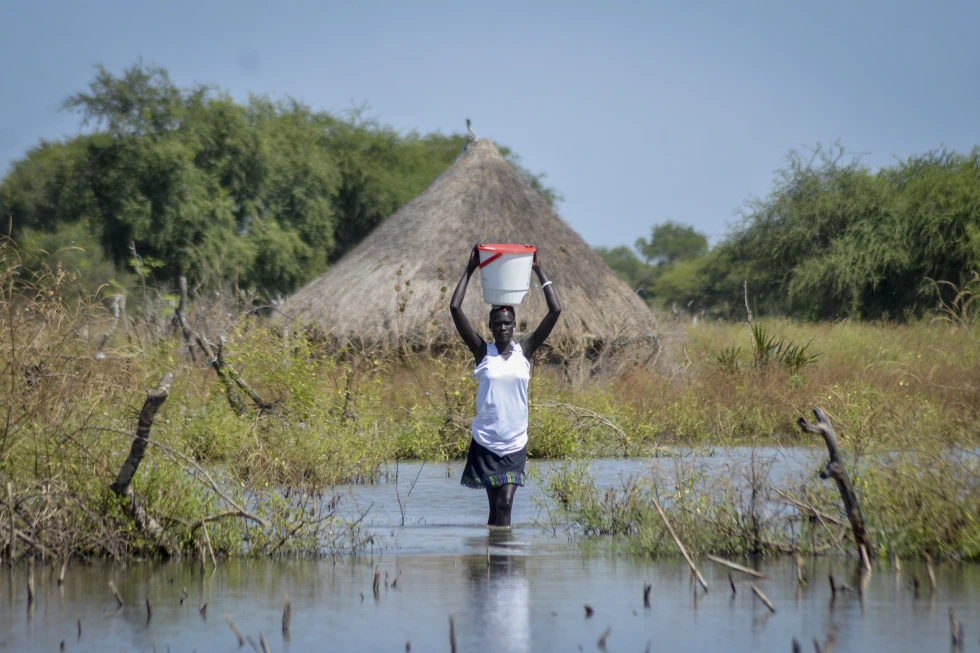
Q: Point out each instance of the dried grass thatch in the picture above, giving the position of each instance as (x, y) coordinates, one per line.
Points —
(396, 285)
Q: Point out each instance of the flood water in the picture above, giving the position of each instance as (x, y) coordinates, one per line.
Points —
(522, 590)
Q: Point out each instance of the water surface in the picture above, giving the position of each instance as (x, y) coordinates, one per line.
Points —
(522, 590)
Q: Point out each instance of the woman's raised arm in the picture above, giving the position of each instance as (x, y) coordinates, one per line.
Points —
(463, 326)
(536, 339)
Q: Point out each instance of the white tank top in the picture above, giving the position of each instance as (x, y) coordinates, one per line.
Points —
(500, 424)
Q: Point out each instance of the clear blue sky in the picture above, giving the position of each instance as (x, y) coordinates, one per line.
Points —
(638, 112)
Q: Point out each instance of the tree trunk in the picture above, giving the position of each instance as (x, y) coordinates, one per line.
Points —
(835, 469)
(123, 485)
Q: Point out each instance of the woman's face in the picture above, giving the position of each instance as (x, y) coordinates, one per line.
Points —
(502, 326)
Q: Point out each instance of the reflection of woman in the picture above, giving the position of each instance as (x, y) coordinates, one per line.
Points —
(500, 594)
(498, 450)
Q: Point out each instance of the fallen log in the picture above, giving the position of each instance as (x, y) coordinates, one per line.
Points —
(835, 469)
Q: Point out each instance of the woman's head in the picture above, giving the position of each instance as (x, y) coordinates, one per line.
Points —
(502, 323)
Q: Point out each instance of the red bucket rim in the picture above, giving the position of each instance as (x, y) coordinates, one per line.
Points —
(508, 248)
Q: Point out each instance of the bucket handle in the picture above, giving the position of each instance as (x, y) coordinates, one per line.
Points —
(491, 260)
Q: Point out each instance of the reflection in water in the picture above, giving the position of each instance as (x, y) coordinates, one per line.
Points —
(499, 592)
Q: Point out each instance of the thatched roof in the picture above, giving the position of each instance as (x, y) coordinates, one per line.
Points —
(423, 248)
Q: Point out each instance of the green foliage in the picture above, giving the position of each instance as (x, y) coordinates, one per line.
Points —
(673, 255)
(627, 265)
(381, 170)
(264, 193)
(579, 503)
(963, 307)
(921, 500)
(671, 242)
(726, 359)
(75, 249)
(834, 239)
(768, 350)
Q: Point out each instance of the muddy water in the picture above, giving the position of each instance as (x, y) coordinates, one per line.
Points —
(523, 590)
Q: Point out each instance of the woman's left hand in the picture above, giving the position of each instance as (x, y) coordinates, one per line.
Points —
(535, 262)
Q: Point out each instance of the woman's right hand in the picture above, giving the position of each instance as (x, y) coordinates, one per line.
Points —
(474, 261)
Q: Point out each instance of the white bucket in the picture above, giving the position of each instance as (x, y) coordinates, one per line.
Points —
(505, 272)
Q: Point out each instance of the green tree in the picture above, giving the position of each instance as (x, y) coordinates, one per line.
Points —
(266, 192)
(671, 242)
(628, 267)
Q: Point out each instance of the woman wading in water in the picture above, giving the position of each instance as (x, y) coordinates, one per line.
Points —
(498, 449)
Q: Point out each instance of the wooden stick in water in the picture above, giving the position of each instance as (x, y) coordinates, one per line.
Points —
(731, 581)
(828, 644)
(763, 598)
(735, 566)
(115, 593)
(30, 581)
(12, 547)
(231, 624)
(149, 611)
(800, 569)
(956, 633)
(601, 644)
(680, 545)
(932, 574)
(865, 560)
(646, 595)
(287, 616)
(452, 634)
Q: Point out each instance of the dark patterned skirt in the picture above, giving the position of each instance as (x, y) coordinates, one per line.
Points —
(484, 468)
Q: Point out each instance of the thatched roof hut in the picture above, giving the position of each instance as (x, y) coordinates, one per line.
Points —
(399, 280)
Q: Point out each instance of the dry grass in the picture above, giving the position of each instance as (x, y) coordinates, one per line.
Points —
(333, 414)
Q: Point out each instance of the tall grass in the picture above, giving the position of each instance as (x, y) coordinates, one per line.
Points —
(73, 377)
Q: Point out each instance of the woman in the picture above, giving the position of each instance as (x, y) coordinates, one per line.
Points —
(498, 449)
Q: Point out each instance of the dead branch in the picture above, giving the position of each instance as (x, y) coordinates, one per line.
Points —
(217, 362)
(765, 599)
(226, 372)
(200, 475)
(680, 545)
(735, 566)
(835, 469)
(123, 485)
(180, 318)
(810, 508)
